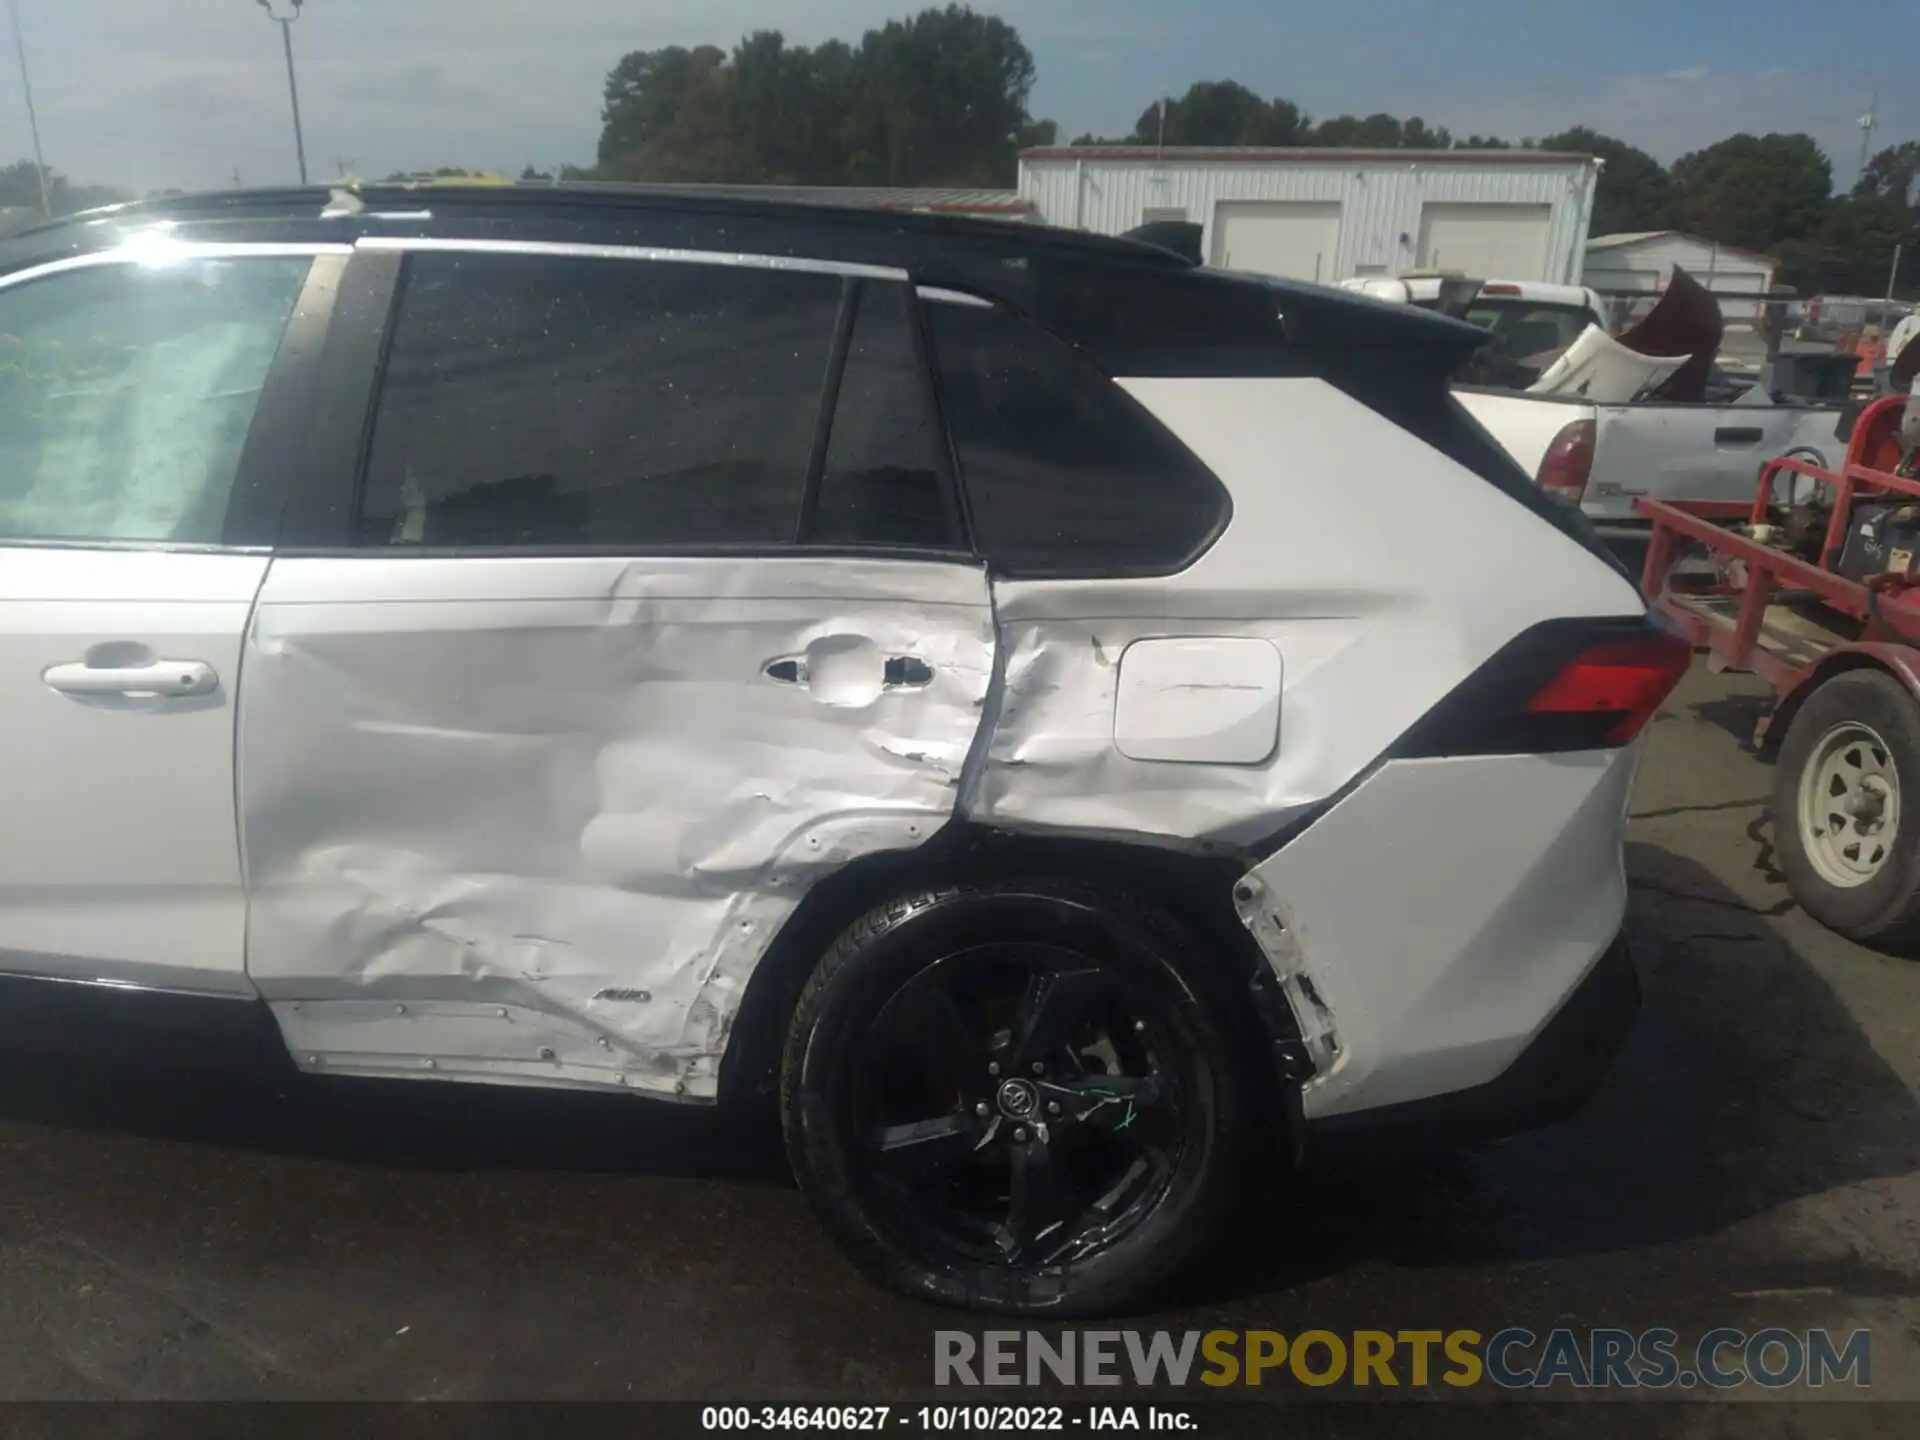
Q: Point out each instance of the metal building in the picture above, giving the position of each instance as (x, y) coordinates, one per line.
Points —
(1640, 263)
(1331, 214)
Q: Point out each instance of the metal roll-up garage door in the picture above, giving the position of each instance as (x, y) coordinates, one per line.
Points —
(1491, 242)
(1277, 237)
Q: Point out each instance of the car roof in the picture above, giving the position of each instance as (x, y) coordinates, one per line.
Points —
(1135, 308)
(532, 208)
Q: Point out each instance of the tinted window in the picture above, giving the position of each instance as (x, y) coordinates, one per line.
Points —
(882, 482)
(1065, 475)
(533, 400)
(126, 393)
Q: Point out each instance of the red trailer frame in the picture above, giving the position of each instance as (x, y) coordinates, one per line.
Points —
(1888, 606)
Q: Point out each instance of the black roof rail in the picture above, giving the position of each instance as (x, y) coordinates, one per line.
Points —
(609, 198)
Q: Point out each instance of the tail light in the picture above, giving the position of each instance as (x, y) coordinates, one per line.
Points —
(1611, 689)
(1563, 685)
(1568, 463)
(1499, 287)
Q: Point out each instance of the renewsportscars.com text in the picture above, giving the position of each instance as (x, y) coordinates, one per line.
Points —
(1514, 1358)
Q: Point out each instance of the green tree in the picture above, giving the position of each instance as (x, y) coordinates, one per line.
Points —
(1851, 252)
(1753, 191)
(1635, 191)
(20, 187)
(940, 100)
(785, 120)
(1379, 131)
(646, 95)
(1220, 112)
(1037, 135)
(1890, 175)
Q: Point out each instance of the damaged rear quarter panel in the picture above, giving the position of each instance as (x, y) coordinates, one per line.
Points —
(537, 819)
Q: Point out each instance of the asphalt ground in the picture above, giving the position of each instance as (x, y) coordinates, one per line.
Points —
(1750, 1162)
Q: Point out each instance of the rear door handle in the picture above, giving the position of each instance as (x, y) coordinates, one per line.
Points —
(903, 672)
(907, 672)
(162, 677)
(1738, 435)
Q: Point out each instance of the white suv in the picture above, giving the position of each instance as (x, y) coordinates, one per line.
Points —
(1059, 710)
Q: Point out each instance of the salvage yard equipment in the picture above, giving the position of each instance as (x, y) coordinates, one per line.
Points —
(1814, 586)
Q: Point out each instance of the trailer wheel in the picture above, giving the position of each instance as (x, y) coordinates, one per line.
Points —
(1846, 807)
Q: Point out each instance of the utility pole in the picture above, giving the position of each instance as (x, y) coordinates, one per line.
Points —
(33, 118)
(285, 22)
(1867, 122)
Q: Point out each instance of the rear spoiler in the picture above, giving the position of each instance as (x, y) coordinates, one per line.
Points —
(1182, 237)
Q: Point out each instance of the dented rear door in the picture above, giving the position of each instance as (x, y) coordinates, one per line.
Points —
(622, 648)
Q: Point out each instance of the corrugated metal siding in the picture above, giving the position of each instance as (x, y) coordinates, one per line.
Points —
(1648, 264)
(1663, 253)
(1380, 202)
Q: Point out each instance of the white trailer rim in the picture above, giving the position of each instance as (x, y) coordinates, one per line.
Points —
(1849, 804)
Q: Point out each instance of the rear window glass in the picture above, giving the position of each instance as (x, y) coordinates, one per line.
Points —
(1065, 475)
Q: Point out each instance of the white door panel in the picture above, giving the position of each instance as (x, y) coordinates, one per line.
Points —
(549, 813)
(119, 860)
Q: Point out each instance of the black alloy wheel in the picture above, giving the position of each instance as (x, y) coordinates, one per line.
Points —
(1011, 1098)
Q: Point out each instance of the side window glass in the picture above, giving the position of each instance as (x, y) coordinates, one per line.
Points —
(542, 400)
(126, 394)
(1065, 475)
(882, 482)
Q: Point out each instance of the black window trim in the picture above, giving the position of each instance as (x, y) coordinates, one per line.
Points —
(261, 484)
(952, 490)
(320, 518)
(850, 291)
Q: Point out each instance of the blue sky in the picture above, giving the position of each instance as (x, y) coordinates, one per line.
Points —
(149, 93)
(1668, 75)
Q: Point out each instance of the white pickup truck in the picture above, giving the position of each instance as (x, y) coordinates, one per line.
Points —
(1601, 456)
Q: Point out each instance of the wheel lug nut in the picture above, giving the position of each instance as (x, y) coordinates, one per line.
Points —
(982, 1109)
(1038, 1068)
(1020, 1135)
(993, 1067)
(1053, 1107)
(1138, 1026)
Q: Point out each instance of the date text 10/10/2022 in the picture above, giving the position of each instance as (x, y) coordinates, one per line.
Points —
(943, 1419)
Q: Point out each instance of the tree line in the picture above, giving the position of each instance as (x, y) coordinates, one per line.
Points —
(941, 98)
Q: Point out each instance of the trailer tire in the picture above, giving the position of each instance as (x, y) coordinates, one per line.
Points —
(1846, 808)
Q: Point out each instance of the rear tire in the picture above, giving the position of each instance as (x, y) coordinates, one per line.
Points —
(1846, 808)
(1012, 1098)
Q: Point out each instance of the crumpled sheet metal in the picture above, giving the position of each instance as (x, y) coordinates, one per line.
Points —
(1354, 548)
(593, 812)
(1050, 762)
